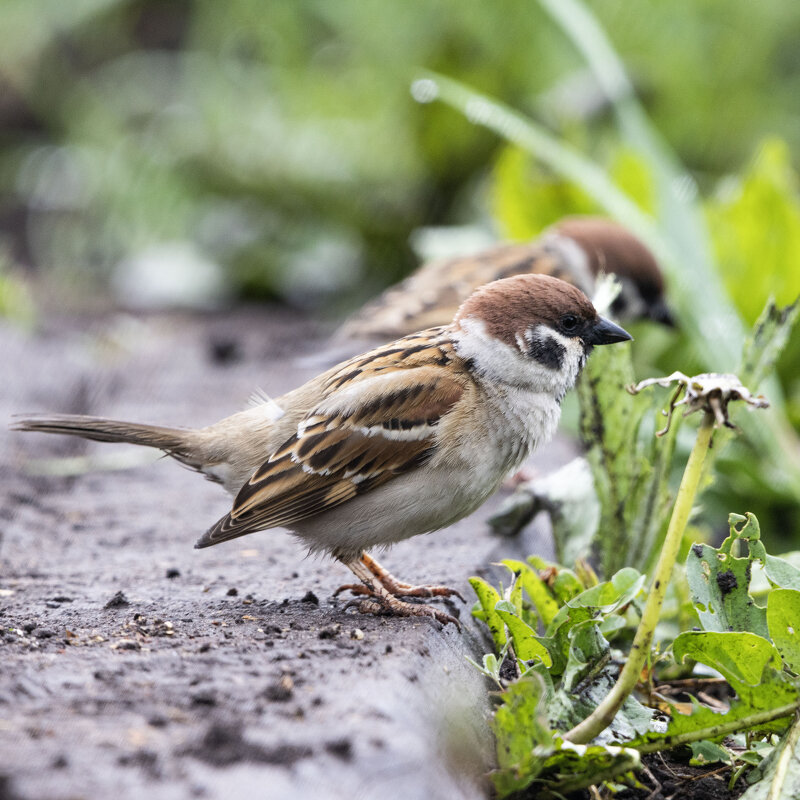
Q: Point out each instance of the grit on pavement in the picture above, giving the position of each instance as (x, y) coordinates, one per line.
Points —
(132, 665)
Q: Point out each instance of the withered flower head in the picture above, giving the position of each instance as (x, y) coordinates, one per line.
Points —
(710, 392)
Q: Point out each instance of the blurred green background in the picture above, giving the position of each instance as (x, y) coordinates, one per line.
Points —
(273, 149)
(190, 152)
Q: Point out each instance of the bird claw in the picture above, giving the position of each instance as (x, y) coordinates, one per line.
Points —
(403, 590)
(390, 606)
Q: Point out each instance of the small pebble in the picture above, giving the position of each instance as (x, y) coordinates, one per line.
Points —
(310, 597)
(341, 748)
(356, 633)
(173, 573)
(331, 631)
(206, 698)
(232, 592)
(117, 601)
(281, 691)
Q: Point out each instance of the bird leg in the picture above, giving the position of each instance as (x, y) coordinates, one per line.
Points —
(394, 586)
(381, 600)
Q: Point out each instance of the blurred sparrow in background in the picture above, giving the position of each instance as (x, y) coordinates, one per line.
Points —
(577, 250)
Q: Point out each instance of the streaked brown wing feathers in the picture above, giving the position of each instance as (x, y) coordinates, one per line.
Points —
(348, 446)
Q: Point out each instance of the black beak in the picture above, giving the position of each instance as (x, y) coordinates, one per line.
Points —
(607, 332)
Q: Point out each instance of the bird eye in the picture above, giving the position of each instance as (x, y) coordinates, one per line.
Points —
(569, 323)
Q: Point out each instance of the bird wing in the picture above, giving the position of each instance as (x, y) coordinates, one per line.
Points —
(377, 419)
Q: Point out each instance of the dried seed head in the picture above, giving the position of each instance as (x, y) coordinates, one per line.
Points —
(710, 392)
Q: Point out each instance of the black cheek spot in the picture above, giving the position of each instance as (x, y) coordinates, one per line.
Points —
(548, 352)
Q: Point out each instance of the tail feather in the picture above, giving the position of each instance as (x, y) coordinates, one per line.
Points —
(174, 441)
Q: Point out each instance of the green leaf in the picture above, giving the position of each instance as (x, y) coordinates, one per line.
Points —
(526, 643)
(774, 693)
(781, 573)
(705, 752)
(526, 198)
(565, 585)
(614, 594)
(719, 581)
(760, 259)
(579, 766)
(780, 771)
(488, 598)
(741, 657)
(764, 345)
(527, 749)
(633, 173)
(557, 637)
(587, 647)
(783, 620)
(536, 589)
(523, 738)
(630, 472)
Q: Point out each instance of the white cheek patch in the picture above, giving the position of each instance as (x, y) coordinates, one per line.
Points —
(515, 365)
(492, 358)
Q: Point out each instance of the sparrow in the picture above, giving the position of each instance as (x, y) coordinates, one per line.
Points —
(405, 439)
(577, 250)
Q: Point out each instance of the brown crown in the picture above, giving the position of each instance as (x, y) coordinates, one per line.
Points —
(509, 307)
(612, 248)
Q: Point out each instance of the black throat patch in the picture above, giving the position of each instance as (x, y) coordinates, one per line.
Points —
(547, 351)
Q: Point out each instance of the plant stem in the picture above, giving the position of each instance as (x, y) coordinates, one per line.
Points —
(604, 714)
(723, 729)
(787, 754)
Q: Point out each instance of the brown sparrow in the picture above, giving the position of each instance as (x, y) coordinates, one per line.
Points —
(405, 439)
(576, 250)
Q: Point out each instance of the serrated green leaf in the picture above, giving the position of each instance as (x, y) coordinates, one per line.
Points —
(719, 583)
(541, 597)
(526, 643)
(488, 598)
(523, 739)
(527, 749)
(741, 657)
(774, 692)
(579, 766)
(783, 620)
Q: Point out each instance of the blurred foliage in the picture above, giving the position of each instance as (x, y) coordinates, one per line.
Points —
(279, 141)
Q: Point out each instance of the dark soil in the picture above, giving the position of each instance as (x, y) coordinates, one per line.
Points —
(668, 775)
(132, 665)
